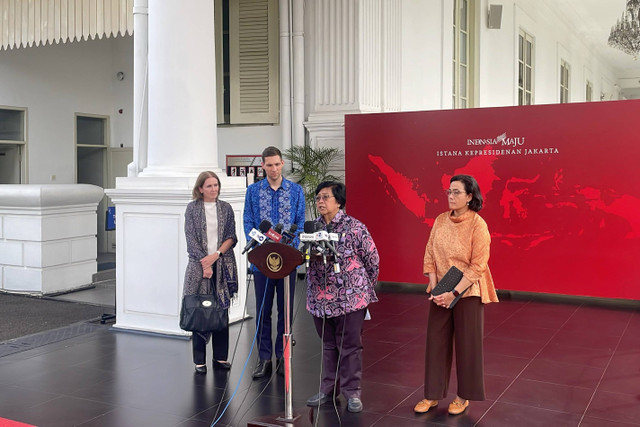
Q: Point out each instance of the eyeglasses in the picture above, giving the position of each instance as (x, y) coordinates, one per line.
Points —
(455, 193)
(324, 197)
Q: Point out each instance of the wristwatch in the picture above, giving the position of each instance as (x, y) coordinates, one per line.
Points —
(219, 253)
(455, 293)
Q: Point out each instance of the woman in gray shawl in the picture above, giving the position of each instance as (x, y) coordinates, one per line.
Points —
(210, 229)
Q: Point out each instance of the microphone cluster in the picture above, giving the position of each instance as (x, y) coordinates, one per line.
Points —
(315, 237)
(266, 233)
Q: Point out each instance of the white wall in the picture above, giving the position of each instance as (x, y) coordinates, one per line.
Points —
(422, 54)
(246, 140)
(54, 83)
(499, 50)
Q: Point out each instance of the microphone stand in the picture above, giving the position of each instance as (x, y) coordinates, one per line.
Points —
(286, 339)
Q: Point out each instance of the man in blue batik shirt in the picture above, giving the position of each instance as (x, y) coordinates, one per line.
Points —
(279, 201)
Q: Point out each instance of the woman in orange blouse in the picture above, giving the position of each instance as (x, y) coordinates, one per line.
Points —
(460, 238)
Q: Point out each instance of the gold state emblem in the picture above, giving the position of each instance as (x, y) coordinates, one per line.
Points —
(274, 262)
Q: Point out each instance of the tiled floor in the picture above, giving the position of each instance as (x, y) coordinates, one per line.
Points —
(546, 365)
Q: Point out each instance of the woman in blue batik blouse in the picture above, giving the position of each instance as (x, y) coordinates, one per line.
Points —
(210, 229)
(338, 300)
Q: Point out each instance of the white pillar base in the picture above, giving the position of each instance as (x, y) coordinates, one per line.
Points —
(48, 237)
(151, 251)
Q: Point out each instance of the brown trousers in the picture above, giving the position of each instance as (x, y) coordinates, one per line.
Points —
(464, 325)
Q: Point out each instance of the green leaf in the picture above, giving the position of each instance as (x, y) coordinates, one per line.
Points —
(310, 167)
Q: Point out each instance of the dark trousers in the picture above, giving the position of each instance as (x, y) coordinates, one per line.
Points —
(219, 341)
(219, 344)
(464, 326)
(267, 288)
(341, 353)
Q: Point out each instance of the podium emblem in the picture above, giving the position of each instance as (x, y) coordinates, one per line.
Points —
(274, 262)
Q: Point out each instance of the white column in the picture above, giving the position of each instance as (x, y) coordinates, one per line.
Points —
(285, 74)
(140, 84)
(356, 45)
(182, 88)
(151, 253)
(298, 71)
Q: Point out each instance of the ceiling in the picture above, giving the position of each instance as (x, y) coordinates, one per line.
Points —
(593, 19)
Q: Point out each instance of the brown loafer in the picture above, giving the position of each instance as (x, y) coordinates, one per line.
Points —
(424, 405)
(457, 407)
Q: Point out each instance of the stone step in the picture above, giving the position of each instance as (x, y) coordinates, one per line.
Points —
(104, 275)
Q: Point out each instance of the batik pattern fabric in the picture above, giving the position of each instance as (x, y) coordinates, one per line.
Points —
(334, 294)
(195, 230)
(282, 206)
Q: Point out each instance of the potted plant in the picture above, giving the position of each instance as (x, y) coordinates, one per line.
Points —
(310, 166)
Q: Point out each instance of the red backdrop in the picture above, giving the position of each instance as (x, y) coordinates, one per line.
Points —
(561, 187)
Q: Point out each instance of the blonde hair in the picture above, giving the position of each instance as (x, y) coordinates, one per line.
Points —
(196, 194)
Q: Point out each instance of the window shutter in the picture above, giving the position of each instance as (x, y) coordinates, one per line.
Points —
(217, 12)
(253, 62)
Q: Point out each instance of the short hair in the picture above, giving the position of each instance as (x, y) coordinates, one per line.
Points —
(337, 188)
(471, 187)
(270, 152)
(195, 193)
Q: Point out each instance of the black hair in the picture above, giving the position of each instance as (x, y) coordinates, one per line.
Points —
(470, 187)
(337, 188)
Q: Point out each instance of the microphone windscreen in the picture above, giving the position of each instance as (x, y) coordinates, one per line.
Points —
(278, 228)
(317, 227)
(309, 227)
(293, 228)
(264, 226)
(329, 228)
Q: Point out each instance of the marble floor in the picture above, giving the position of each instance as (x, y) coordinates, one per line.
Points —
(546, 364)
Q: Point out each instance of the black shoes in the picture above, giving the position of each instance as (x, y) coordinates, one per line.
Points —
(224, 365)
(318, 399)
(262, 369)
(280, 366)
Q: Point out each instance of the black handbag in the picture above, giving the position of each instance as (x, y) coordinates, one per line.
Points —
(448, 282)
(202, 313)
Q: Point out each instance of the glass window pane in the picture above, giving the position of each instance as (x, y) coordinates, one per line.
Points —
(463, 103)
(463, 15)
(463, 81)
(528, 99)
(528, 85)
(455, 54)
(521, 48)
(529, 52)
(463, 48)
(11, 125)
(521, 74)
(90, 130)
(520, 96)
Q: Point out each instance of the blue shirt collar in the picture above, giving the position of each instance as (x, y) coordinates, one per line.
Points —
(285, 184)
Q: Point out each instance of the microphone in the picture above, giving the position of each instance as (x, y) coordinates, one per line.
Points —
(274, 233)
(257, 238)
(318, 237)
(322, 237)
(333, 237)
(288, 236)
(307, 237)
